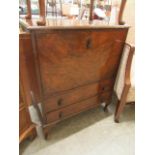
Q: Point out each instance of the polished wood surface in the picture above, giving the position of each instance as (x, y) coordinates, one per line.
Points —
(62, 113)
(26, 128)
(27, 66)
(72, 65)
(68, 59)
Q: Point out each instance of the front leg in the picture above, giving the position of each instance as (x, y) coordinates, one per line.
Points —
(107, 103)
(47, 129)
(106, 100)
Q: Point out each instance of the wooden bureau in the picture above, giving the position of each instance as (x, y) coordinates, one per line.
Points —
(72, 65)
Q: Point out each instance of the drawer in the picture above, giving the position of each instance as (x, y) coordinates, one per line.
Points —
(77, 94)
(74, 109)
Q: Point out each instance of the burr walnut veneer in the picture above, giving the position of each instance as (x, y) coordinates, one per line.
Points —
(72, 65)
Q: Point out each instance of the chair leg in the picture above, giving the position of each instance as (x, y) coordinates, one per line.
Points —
(46, 132)
(119, 109)
(121, 104)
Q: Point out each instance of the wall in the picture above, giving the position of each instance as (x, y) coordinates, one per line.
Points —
(129, 18)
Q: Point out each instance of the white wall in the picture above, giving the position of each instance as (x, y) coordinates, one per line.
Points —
(129, 18)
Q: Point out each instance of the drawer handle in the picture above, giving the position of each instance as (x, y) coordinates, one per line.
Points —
(88, 44)
(103, 88)
(60, 114)
(59, 102)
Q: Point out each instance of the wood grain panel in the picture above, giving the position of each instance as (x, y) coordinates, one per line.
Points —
(27, 66)
(66, 61)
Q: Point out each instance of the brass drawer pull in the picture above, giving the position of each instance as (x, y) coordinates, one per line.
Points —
(59, 102)
(103, 88)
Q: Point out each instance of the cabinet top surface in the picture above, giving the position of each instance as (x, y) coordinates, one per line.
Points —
(31, 24)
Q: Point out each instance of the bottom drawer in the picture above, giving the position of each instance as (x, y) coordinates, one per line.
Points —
(75, 108)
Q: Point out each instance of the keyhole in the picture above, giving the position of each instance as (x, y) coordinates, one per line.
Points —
(88, 45)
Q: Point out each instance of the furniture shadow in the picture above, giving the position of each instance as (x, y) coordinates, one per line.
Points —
(77, 123)
(128, 114)
(65, 129)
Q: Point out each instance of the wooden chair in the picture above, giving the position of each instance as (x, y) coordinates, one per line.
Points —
(42, 19)
(124, 87)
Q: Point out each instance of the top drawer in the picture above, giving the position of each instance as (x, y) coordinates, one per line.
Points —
(77, 95)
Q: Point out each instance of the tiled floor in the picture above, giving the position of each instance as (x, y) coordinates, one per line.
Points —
(90, 133)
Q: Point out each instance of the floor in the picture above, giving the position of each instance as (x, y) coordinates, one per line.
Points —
(90, 133)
